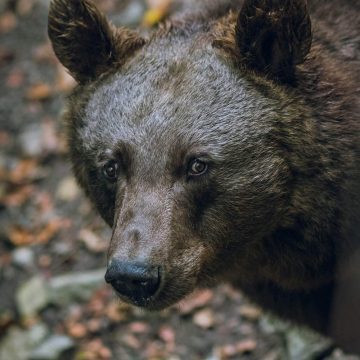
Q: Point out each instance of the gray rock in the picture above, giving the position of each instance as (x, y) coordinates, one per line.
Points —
(131, 15)
(32, 296)
(52, 348)
(18, 344)
(300, 343)
(23, 257)
(306, 344)
(72, 287)
(30, 140)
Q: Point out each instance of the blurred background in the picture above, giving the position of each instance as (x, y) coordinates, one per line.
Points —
(54, 303)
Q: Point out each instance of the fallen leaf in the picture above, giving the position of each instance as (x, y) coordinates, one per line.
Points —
(92, 241)
(23, 7)
(77, 330)
(15, 79)
(158, 9)
(196, 300)
(250, 312)
(39, 92)
(18, 197)
(167, 334)
(94, 350)
(131, 341)
(139, 327)
(51, 141)
(25, 170)
(94, 325)
(8, 22)
(239, 348)
(116, 311)
(20, 236)
(44, 260)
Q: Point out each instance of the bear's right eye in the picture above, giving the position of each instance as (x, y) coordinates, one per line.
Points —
(111, 170)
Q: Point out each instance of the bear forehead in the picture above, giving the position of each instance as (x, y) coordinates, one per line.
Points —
(191, 94)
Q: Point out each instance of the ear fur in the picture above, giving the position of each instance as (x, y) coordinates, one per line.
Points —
(274, 36)
(84, 41)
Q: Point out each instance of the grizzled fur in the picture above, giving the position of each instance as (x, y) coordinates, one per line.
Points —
(237, 86)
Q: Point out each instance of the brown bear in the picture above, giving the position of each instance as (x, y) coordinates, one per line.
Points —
(223, 147)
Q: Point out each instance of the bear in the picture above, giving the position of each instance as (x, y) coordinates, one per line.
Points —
(223, 147)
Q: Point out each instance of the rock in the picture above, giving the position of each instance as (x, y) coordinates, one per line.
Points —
(75, 286)
(204, 318)
(68, 190)
(301, 343)
(23, 257)
(131, 15)
(52, 348)
(18, 344)
(32, 296)
(30, 140)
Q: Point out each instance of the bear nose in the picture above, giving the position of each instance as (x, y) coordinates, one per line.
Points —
(136, 281)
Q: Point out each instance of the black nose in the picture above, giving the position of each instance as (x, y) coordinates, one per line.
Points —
(138, 282)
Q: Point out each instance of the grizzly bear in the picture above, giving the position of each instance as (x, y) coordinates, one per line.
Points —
(224, 147)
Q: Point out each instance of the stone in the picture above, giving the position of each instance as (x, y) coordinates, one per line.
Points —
(23, 257)
(30, 140)
(32, 296)
(18, 343)
(52, 348)
(67, 288)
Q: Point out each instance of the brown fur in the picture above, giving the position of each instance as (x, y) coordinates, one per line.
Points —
(278, 213)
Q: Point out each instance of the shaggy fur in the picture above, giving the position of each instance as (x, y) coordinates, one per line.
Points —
(276, 122)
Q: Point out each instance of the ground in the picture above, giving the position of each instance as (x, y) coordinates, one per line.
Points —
(54, 303)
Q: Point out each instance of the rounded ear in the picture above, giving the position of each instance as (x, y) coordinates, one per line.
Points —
(84, 41)
(274, 35)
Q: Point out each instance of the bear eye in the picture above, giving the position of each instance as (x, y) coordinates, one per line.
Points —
(111, 170)
(197, 167)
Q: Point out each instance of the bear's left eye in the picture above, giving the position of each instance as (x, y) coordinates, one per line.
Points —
(197, 167)
(111, 170)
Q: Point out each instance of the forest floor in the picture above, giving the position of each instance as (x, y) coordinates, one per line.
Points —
(54, 303)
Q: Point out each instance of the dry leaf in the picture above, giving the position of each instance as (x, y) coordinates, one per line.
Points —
(77, 330)
(18, 197)
(39, 92)
(230, 350)
(139, 327)
(196, 300)
(8, 22)
(92, 241)
(15, 78)
(20, 236)
(158, 9)
(250, 312)
(24, 171)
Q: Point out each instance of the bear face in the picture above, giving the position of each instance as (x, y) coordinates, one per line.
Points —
(192, 139)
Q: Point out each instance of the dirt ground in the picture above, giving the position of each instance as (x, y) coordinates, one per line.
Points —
(54, 303)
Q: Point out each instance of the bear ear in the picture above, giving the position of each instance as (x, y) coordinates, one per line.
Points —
(84, 41)
(274, 35)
